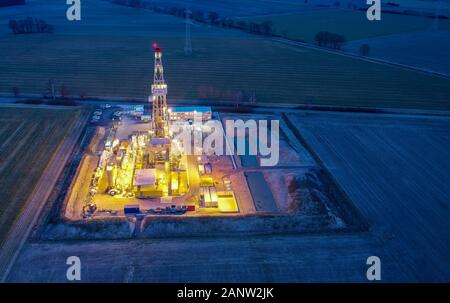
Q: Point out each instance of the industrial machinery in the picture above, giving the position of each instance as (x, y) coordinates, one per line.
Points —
(143, 166)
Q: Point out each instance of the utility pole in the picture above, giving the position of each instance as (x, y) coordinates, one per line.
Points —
(187, 43)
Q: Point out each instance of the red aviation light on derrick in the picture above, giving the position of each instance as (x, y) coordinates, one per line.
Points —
(156, 47)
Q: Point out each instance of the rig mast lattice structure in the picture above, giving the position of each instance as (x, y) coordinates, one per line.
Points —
(160, 118)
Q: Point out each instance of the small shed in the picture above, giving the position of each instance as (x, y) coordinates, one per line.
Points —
(145, 177)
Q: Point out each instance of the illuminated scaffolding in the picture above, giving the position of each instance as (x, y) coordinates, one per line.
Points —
(160, 119)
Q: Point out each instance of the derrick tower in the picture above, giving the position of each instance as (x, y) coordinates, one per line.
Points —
(159, 99)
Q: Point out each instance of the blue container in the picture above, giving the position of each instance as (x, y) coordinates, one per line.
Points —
(131, 209)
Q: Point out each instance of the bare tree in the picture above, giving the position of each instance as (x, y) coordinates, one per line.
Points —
(437, 10)
(252, 98)
(82, 95)
(64, 92)
(242, 24)
(13, 25)
(230, 22)
(213, 17)
(198, 16)
(135, 3)
(338, 41)
(16, 92)
(267, 27)
(253, 27)
(332, 40)
(238, 98)
(30, 25)
(321, 38)
(51, 88)
(364, 49)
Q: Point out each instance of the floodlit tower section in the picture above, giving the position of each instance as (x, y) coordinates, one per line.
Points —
(159, 99)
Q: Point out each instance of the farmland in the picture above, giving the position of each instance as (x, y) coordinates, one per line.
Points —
(396, 172)
(109, 54)
(429, 49)
(28, 139)
(408, 40)
(425, 5)
(352, 24)
(385, 165)
(248, 8)
(308, 258)
(235, 8)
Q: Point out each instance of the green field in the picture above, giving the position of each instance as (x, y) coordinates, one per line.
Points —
(109, 54)
(28, 139)
(424, 5)
(352, 24)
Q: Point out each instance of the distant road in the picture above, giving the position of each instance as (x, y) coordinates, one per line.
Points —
(23, 226)
(229, 106)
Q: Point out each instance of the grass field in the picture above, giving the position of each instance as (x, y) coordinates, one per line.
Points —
(430, 49)
(425, 5)
(109, 53)
(396, 171)
(234, 8)
(270, 259)
(28, 139)
(352, 24)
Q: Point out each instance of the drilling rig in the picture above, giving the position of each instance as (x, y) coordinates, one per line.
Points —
(160, 118)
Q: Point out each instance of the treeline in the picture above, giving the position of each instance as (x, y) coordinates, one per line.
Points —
(323, 39)
(237, 96)
(330, 40)
(11, 2)
(132, 3)
(211, 17)
(30, 25)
